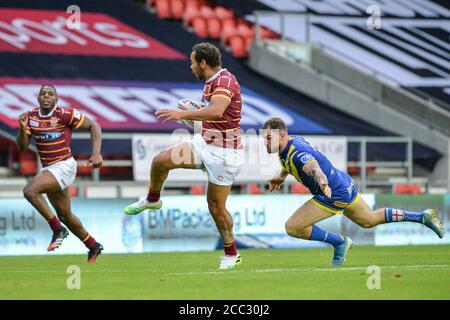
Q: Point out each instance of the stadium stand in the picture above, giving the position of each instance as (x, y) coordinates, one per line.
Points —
(176, 32)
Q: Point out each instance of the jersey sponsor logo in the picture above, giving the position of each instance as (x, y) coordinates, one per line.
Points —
(350, 188)
(77, 115)
(34, 123)
(53, 122)
(47, 136)
(306, 157)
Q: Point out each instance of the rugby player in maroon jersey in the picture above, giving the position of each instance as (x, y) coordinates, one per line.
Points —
(51, 128)
(217, 150)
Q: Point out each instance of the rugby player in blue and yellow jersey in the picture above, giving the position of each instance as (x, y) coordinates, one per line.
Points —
(334, 193)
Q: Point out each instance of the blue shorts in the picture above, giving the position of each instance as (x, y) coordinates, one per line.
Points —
(341, 197)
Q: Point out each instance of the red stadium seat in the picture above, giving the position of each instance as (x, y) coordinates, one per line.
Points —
(177, 8)
(245, 30)
(223, 13)
(84, 170)
(207, 12)
(200, 28)
(228, 31)
(163, 9)
(73, 191)
(228, 23)
(196, 190)
(407, 188)
(194, 4)
(298, 188)
(255, 189)
(28, 165)
(189, 15)
(237, 45)
(214, 28)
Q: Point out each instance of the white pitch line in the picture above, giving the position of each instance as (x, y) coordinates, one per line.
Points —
(87, 271)
(425, 266)
(422, 266)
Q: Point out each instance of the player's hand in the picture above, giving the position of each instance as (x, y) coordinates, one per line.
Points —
(95, 161)
(326, 190)
(275, 183)
(23, 120)
(168, 114)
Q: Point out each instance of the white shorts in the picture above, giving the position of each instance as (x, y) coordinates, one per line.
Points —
(64, 171)
(221, 164)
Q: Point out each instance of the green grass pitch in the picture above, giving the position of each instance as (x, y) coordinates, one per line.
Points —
(410, 272)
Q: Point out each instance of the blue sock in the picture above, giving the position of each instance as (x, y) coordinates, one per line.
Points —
(396, 215)
(318, 234)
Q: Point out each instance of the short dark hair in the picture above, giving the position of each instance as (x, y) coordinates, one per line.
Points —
(208, 52)
(275, 123)
(50, 86)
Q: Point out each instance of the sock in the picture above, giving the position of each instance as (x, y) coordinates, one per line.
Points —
(153, 196)
(54, 223)
(230, 249)
(395, 215)
(89, 242)
(318, 234)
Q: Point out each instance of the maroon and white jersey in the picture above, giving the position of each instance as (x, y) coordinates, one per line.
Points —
(53, 132)
(226, 131)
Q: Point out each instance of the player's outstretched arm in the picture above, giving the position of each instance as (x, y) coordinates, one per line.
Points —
(22, 139)
(96, 159)
(213, 112)
(313, 170)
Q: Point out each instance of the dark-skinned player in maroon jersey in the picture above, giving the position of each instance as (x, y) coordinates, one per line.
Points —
(51, 128)
(217, 150)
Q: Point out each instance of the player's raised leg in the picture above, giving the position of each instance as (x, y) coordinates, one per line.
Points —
(217, 197)
(175, 157)
(60, 200)
(360, 213)
(302, 225)
(45, 182)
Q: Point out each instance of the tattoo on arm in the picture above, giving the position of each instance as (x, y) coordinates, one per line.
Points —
(313, 170)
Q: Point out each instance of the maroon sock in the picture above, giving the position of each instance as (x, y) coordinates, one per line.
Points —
(230, 249)
(89, 242)
(153, 196)
(54, 223)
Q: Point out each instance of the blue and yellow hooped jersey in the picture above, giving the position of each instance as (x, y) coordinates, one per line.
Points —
(298, 153)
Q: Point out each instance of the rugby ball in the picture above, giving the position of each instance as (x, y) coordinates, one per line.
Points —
(188, 104)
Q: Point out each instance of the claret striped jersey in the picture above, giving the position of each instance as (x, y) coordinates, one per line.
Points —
(224, 132)
(53, 132)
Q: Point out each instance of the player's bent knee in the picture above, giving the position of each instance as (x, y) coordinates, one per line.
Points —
(29, 193)
(291, 228)
(214, 209)
(161, 161)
